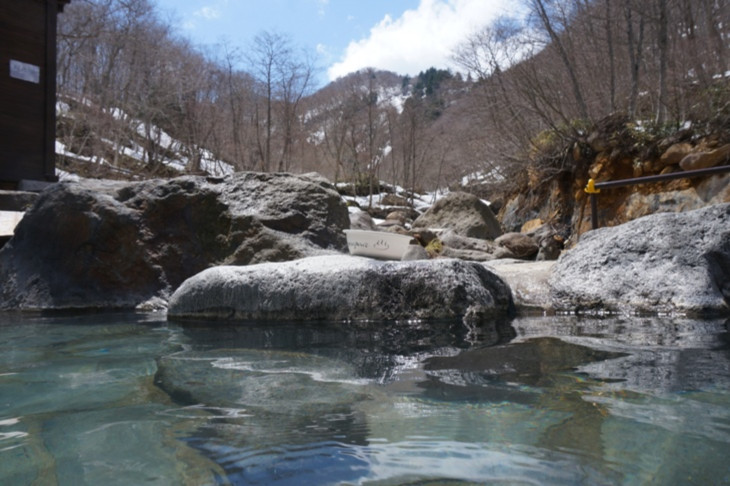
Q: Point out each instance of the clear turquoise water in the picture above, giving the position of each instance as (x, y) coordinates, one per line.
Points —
(132, 399)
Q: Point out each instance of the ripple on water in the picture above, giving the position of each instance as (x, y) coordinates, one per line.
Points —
(570, 401)
(421, 460)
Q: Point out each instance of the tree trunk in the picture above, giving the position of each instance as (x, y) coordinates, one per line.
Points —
(635, 53)
(662, 42)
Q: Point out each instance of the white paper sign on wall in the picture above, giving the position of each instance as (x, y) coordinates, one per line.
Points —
(25, 71)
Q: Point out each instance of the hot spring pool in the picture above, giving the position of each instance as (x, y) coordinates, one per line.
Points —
(129, 399)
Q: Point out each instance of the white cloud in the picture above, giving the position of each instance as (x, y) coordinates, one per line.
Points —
(420, 38)
(208, 13)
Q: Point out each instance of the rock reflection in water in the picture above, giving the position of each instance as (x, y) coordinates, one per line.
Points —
(542, 400)
(300, 390)
(662, 354)
(353, 403)
(532, 372)
(376, 350)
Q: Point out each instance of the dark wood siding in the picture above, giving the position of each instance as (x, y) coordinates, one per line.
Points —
(27, 92)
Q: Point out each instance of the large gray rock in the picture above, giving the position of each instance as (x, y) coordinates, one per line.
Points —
(102, 244)
(464, 213)
(342, 288)
(662, 263)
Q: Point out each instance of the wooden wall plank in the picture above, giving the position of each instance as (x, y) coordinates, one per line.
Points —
(27, 105)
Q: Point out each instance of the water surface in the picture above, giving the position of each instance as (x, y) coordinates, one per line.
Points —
(132, 399)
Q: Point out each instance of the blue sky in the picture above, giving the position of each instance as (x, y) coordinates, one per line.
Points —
(404, 36)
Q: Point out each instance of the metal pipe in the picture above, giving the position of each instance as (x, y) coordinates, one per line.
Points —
(593, 188)
(663, 177)
(594, 211)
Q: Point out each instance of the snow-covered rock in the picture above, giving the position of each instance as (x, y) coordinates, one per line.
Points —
(342, 287)
(662, 263)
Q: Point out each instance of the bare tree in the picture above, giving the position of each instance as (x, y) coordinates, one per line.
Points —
(295, 77)
(663, 45)
(284, 77)
(548, 19)
(268, 49)
(635, 48)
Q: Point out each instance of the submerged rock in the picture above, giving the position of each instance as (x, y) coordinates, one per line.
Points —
(276, 381)
(662, 263)
(103, 244)
(342, 288)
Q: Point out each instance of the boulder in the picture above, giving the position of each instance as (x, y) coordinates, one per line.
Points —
(704, 160)
(464, 248)
(464, 213)
(673, 155)
(550, 248)
(550, 241)
(598, 142)
(342, 287)
(393, 200)
(101, 244)
(662, 263)
(531, 225)
(361, 220)
(452, 240)
(469, 255)
(394, 218)
(520, 245)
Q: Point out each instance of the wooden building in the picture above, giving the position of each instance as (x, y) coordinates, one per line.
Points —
(28, 90)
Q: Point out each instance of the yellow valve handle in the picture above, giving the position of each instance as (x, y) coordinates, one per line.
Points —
(591, 187)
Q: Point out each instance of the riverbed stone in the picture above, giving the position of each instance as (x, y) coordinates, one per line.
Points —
(675, 263)
(102, 244)
(341, 287)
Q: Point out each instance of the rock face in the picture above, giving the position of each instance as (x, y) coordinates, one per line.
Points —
(464, 213)
(101, 244)
(662, 263)
(713, 190)
(342, 287)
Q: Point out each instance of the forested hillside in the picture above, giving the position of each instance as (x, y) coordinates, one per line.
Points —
(137, 100)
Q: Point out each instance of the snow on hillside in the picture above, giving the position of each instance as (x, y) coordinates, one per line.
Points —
(174, 151)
